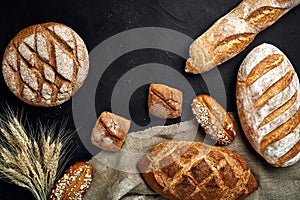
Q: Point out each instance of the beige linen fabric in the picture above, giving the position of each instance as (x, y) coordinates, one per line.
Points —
(113, 182)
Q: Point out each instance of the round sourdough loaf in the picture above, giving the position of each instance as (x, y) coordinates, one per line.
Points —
(268, 101)
(45, 64)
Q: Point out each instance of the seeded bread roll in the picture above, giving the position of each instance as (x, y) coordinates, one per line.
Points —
(232, 33)
(74, 183)
(183, 170)
(268, 102)
(45, 64)
(214, 119)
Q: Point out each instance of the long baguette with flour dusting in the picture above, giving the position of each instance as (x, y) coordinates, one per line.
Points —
(232, 33)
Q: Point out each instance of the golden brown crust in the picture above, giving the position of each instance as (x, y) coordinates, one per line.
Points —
(265, 15)
(231, 46)
(279, 111)
(290, 154)
(110, 131)
(164, 101)
(272, 127)
(264, 67)
(249, 132)
(214, 119)
(189, 67)
(276, 88)
(202, 172)
(45, 64)
(280, 132)
(74, 183)
(233, 32)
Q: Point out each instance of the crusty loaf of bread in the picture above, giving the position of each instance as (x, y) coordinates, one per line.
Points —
(181, 170)
(234, 32)
(45, 64)
(268, 102)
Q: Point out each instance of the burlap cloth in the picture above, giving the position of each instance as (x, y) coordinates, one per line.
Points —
(119, 180)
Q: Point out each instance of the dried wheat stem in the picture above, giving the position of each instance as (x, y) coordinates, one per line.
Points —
(27, 162)
(8, 137)
(48, 152)
(17, 137)
(17, 175)
(20, 129)
(53, 165)
(7, 157)
(36, 150)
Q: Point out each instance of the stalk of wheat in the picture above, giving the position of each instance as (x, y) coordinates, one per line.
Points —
(32, 159)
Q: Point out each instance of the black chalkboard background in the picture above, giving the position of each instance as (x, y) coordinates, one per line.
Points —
(97, 20)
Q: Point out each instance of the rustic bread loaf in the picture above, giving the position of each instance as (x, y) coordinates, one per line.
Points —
(214, 119)
(110, 131)
(164, 101)
(234, 32)
(45, 64)
(268, 102)
(181, 170)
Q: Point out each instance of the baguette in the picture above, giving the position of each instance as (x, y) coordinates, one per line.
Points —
(232, 33)
(268, 103)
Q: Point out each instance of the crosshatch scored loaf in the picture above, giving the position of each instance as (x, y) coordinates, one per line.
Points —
(232, 33)
(268, 102)
(181, 170)
(45, 64)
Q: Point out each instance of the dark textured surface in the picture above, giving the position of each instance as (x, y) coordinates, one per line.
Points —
(96, 21)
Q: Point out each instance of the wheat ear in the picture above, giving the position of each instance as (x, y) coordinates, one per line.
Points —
(32, 159)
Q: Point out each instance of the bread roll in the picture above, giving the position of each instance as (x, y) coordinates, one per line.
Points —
(234, 32)
(164, 102)
(214, 119)
(110, 131)
(181, 170)
(268, 102)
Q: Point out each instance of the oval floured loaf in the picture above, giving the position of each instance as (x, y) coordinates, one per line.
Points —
(268, 105)
(181, 170)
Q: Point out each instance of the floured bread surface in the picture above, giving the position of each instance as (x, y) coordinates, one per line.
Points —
(181, 170)
(45, 64)
(268, 101)
(110, 131)
(233, 32)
